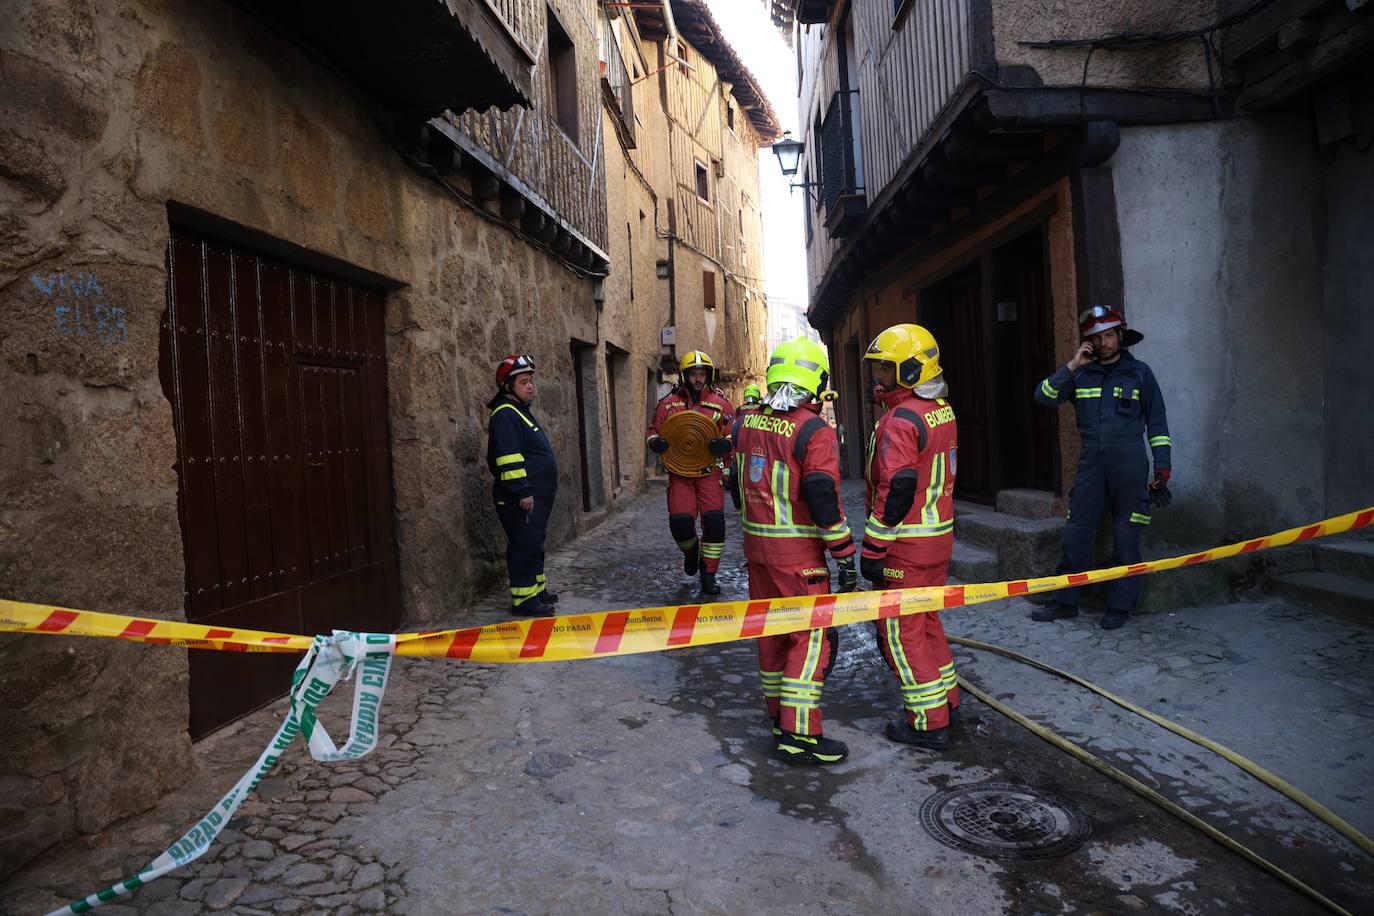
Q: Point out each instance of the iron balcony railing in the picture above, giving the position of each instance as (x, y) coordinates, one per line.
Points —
(839, 163)
(615, 77)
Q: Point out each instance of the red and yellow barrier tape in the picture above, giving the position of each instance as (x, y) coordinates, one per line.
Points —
(610, 633)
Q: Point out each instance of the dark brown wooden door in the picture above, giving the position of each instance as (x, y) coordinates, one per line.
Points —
(277, 380)
(952, 310)
(1023, 346)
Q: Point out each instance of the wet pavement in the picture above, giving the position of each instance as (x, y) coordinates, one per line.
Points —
(643, 784)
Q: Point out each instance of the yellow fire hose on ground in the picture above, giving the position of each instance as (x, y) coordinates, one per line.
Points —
(1323, 813)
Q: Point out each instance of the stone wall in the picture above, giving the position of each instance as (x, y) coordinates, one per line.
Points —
(1223, 275)
(1178, 65)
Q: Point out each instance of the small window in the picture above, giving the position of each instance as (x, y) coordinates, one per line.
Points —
(708, 288)
(703, 180)
(730, 115)
(741, 222)
(562, 77)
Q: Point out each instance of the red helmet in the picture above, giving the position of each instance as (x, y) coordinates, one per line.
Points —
(1098, 318)
(515, 364)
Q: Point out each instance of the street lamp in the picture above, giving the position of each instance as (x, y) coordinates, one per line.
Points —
(789, 153)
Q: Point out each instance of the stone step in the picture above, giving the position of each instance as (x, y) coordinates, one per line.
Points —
(1025, 547)
(973, 564)
(1328, 592)
(1026, 503)
(1354, 558)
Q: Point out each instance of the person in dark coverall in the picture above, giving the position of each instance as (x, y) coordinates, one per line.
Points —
(526, 481)
(1118, 403)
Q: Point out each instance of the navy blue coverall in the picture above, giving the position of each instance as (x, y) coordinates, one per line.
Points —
(1117, 406)
(522, 462)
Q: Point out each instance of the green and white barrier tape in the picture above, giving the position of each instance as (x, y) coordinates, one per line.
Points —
(329, 660)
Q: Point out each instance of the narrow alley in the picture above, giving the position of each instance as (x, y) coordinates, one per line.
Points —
(644, 784)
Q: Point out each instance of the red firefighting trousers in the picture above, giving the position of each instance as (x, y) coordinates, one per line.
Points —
(793, 666)
(917, 651)
(690, 498)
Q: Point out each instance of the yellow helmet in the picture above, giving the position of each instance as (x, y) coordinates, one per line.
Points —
(802, 362)
(912, 349)
(698, 360)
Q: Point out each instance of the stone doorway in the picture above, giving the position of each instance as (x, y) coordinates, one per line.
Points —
(277, 379)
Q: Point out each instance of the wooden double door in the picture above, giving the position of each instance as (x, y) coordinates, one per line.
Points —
(277, 379)
(992, 320)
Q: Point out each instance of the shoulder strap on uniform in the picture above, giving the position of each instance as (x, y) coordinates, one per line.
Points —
(912, 417)
(518, 412)
(808, 429)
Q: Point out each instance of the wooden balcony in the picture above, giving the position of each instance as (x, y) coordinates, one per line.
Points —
(415, 57)
(842, 189)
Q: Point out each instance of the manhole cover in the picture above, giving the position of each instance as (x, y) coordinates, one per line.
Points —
(1005, 821)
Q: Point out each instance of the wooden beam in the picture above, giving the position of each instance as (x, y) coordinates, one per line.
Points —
(1254, 34)
(1096, 239)
(1023, 108)
(1334, 52)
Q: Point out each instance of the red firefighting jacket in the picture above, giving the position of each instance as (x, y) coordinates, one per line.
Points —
(713, 404)
(788, 467)
(910, 474)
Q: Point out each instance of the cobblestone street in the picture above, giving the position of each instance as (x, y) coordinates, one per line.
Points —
(643, 784)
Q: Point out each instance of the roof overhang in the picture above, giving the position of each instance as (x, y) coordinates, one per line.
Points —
(990, 149)
(414, 57)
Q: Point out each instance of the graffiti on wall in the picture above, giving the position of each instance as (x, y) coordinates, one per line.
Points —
(79, 307)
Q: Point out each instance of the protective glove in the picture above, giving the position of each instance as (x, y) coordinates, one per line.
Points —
(872, 568)
(1160, 496)
(1161, 478)
(719, 447)
(849, 576)
(658, 445)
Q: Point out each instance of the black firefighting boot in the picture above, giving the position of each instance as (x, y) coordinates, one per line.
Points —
(531, 608)
(1054, 612)
(1113, 619)
(777, 730)
(708, 583)
(691, 560)
(901, 731)
(810, 750)
(548, 597)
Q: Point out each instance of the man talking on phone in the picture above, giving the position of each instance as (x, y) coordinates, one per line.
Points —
(1118, 404)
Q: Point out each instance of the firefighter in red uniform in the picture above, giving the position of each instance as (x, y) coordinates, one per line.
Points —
(909, 534)
(690, 497)
(788, 470)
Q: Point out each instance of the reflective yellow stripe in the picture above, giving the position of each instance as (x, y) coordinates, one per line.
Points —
(1049, 392)
(930, 515)
(813, 657)
(513, 475)
(1135, 395)
(1138, 519)
(884, 533)
(1088, 393)
(525, 591)
(500, 407)
(1160, 440)
(514, 458)
(782, 531)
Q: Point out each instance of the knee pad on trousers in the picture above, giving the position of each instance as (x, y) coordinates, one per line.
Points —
(683, 527)
(713, 526)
